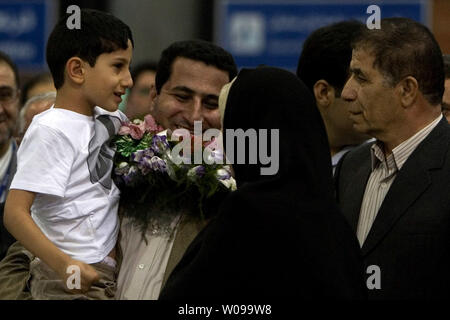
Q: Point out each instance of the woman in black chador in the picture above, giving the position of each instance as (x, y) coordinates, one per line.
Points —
(278, 235)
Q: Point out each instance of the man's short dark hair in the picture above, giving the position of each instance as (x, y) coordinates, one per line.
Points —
(100, 32)
(6, 59)
(404, 47)
(446, 58)
(197, 50)
(327, 53)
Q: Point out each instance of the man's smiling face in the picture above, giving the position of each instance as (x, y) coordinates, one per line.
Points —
(190, 94)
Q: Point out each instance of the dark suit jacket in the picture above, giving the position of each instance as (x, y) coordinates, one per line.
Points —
(410, 237)
(6, 239)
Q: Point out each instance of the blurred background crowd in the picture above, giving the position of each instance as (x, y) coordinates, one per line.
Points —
(269, 32)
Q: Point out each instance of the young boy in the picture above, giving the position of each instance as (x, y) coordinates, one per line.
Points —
(65, 161)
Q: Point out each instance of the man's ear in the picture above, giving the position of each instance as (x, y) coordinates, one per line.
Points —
(408, 88)
(153, 96)
(324, 93)
(75, 70)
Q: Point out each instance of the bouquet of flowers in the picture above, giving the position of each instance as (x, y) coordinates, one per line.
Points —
(155, 186)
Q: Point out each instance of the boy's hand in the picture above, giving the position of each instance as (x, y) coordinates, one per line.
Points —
(78, 276)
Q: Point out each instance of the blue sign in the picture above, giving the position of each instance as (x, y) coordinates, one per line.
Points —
(24, 32)
(273, 32)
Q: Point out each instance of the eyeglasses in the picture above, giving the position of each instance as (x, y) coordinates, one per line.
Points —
(7, 95)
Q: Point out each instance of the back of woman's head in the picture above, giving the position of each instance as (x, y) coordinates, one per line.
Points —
(271, 99)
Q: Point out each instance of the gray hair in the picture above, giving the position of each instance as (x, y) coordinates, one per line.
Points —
(47, 96)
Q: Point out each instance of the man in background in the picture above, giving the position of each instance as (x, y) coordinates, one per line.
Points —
(32, 107)
(40, 83)
(9, 109)
(323, 67)
(446, 97)
(138, 102)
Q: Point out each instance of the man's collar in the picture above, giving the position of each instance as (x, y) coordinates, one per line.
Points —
(401, 152)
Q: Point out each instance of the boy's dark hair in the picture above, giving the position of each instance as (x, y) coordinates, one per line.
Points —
(327, 53)
(197, 50)
(100, 32)
(6, 59)
(404, 47)
(446, 58)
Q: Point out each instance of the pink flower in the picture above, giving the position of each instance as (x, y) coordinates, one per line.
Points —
(151, 125)
(135, 130)
(124, 129)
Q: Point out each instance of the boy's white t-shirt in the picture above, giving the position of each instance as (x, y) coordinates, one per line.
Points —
(65, 158)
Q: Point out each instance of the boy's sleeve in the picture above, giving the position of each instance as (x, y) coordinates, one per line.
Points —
(44, 161)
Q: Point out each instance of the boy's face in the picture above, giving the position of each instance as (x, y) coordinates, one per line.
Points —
(108, 79)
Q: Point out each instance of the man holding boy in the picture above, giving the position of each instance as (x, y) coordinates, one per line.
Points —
(189, 78)
(62, 205)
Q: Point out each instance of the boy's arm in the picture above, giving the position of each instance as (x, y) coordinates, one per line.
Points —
(18, 221)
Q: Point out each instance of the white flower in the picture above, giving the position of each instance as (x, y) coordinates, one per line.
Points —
(121, 169)
(229, 184)
(223, 174)
(138, 121)
(123, 164)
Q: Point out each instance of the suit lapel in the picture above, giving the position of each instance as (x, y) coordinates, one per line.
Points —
(406, 188)
(411, 181)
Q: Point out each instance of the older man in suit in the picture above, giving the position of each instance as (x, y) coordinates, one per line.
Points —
(394, 192)
(9, 109)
